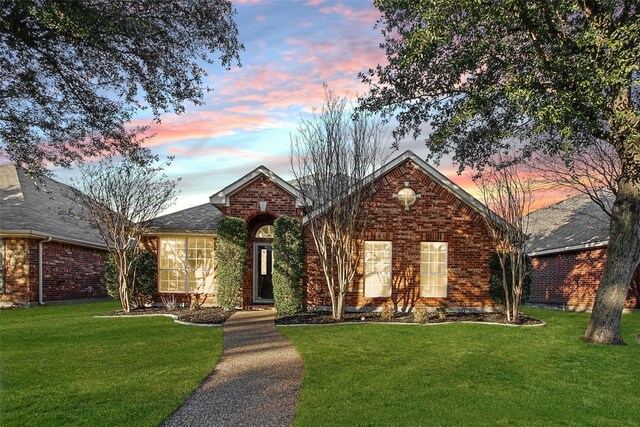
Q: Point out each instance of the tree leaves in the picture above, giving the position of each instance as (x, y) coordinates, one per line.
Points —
(72, 70)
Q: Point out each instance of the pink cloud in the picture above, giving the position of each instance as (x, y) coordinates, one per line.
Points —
(314, 2)
(239, 109)
(369, 15)
(207, 125)
(261, 18)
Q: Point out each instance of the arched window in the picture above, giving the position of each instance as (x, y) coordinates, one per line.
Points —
(265, 232)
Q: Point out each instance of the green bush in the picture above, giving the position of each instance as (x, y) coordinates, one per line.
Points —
(288, 265)
(143, 279)
(231, 256)
(495, 282)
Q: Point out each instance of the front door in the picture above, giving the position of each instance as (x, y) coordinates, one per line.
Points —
(263, 265)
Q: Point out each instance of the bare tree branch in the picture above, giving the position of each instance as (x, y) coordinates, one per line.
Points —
(593, 170)
(333, 159)
(508, 191)
(119, 198)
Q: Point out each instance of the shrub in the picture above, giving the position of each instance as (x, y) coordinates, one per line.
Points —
(288, 265)
(421, 312)
(495, 281)
(196, 301)
(387, 312)
(143, 280)
(169, 302)
(442, 310)
(231, 256)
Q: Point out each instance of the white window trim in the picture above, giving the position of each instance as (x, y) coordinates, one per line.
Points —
(185, 289)
(446, 274)
(364, 269)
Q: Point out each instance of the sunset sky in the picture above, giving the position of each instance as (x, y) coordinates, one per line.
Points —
(291, 48)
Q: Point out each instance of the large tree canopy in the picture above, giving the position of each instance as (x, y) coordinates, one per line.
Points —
(72, 73)
(558, 74)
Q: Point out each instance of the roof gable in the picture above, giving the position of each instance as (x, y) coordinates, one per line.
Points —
(221, 198)
(440, 179)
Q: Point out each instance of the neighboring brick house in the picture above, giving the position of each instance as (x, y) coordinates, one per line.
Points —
(568, 246)
(44, 256)
(435, 249)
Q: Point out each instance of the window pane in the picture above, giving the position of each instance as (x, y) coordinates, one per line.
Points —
(377, 269)
(200, 263)
(433, 269)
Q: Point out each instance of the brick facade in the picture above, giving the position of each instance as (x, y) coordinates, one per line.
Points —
(245, 204)
(72, 272)
(69, 272)
(20, 269)
(438, 216)
(571, 280)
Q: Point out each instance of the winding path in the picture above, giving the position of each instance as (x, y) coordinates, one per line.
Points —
(255, 383)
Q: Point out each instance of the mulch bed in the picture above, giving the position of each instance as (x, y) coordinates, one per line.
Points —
(204, 315)
(324, 318)
(216, 315)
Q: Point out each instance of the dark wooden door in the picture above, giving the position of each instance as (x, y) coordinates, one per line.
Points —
(264, 266)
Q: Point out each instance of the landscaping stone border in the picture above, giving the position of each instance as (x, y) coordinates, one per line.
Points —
(418, 324)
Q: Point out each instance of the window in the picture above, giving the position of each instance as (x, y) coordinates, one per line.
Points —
(433, 269)
(377, 269)
(407, 197)
(186, 265)
(265, 232)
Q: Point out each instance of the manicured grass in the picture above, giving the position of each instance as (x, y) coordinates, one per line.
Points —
(465, 374)
(60, 366)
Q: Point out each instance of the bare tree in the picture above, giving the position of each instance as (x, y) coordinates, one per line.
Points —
(508, 191)
(119, 198)
(333, 160)
(593, 170)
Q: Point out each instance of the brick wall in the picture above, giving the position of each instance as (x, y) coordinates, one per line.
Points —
(437, 216)
(20, 265)
(69, 272)
(72, 272)
(571, 279)
(245, 202)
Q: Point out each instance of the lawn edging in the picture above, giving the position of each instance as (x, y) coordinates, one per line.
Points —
(543, 323)
(174, 317)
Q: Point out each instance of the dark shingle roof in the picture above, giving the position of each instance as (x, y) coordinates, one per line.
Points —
(572, 223)
(203, 218)
(41, 207)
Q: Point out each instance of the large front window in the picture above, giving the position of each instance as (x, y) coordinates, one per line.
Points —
(186, 265)
(433, 269)
(377, 269)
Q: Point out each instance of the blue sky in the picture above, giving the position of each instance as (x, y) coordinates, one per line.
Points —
(291, 48)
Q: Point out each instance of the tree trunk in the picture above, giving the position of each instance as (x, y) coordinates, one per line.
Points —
(505, 287)
(339, 314)
(623, 257)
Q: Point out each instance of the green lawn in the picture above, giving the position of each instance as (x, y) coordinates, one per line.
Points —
(465, 374)
(60, 366)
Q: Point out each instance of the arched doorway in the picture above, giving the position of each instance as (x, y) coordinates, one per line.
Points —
(260, 230)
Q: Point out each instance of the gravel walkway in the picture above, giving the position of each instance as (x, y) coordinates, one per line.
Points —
(255, 383)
